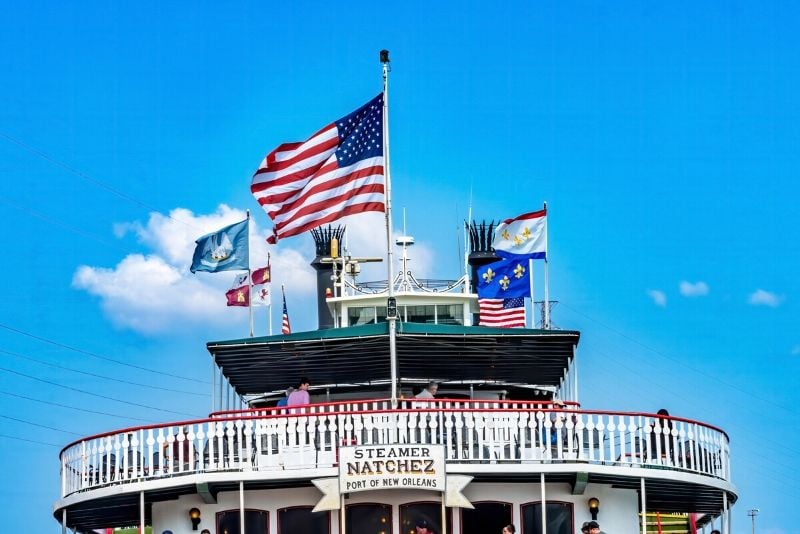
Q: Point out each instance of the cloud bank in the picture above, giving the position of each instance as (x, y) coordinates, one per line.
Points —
(154, 292)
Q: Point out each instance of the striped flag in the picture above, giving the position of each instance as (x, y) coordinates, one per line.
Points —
(337, 172)
(502, 313)
(286, 328)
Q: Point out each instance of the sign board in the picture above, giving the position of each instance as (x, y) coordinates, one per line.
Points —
(377, 467)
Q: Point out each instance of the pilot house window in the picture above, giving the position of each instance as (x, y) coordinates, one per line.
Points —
(439, 314)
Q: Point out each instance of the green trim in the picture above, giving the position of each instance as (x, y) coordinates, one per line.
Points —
(379, 329)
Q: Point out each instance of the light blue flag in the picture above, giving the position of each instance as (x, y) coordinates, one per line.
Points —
(504, 279)
(224, 250)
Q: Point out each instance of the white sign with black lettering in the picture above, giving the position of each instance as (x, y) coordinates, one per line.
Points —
(378, 467)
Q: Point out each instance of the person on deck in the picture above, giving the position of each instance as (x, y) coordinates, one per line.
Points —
(429, 392)
(285, 399)
(300, 396)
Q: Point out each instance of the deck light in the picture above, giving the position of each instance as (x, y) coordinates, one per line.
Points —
(194, 515)
(594, 507)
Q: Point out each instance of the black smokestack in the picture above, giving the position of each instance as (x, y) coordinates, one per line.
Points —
(480, 252)
(323, 237)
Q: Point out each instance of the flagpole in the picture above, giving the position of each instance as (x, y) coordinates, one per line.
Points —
(533, 299)
(466, 243)
(249, 278)
(391, 317)
(269, 306)
(546, 324)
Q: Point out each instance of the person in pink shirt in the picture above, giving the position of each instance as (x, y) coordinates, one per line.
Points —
(300, 396)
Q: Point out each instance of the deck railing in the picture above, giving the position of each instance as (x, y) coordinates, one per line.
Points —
(472, 432)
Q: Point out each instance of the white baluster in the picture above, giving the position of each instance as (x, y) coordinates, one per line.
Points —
(602, 441)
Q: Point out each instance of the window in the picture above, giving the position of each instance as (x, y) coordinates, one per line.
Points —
(360, 315)
(450, 313)
(368, 519)
(486, 517)
(301, 519)
(559, 518)
(420, 314)
(429, 511)
(255, 522)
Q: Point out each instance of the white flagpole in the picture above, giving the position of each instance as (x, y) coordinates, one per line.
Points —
(533, 297)
(466, 243)
(249, 277)
(546, 324)
(391, 318)
(269, 306)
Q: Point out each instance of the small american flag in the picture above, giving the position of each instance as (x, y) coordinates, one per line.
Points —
(338, 171)
(503, 313)
(286, 328)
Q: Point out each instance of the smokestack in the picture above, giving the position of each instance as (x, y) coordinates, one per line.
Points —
(323, 238)
(480, 252)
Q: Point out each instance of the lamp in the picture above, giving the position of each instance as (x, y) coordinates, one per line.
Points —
(594, 507)
(194, 515)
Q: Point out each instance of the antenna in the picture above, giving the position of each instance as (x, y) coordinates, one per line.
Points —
(753, 512)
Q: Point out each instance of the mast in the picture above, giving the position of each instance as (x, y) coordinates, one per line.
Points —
(391, 305)
(249, 279)
(546, 324)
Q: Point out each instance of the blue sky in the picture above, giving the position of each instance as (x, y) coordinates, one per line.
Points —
(663, 137)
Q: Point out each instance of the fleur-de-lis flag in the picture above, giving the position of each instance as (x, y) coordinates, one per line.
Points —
(504, 279)
(522, 237)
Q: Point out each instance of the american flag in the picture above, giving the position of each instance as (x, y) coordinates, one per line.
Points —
(503, 313)
(286, 328)
(337, 172)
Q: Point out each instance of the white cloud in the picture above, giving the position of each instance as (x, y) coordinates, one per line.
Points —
(761, 297)
(659, 297)
(698, 289)
(156, 293)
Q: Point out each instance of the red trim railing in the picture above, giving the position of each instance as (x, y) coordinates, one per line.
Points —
(471, 431)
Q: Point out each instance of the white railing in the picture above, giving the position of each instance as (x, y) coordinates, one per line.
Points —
(495, 432)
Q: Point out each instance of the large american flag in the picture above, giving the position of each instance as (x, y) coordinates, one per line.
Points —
(336, 172)
(503, 313)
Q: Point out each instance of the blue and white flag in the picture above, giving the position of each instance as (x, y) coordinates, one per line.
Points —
(504, 279)
(224, 250)
(523, 236)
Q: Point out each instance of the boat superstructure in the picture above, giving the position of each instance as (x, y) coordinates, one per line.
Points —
(505, 440)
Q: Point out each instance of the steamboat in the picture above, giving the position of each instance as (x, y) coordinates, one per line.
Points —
(503, 440)
(415, 418)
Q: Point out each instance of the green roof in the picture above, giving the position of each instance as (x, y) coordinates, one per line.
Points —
(360, 354)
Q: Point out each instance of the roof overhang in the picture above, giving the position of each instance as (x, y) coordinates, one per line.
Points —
(360, 354)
